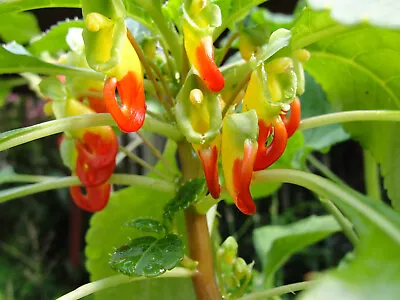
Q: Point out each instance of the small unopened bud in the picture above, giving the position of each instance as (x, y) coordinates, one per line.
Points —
(302, 55)
(196, 96)
(228, 250)
(240, 268)
(95, 21)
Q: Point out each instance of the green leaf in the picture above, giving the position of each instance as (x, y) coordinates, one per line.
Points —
(54, 39)
(108, 231)
(384, 13)
(190, 192)
(19, 27)
(314, 103)
(275, 244)
(148, 256)
(373, 274)
(233, 11)
(16, 59)
(21, 5)
(357, 67)
(147, 225)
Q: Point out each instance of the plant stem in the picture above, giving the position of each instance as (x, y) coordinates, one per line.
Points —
(102, 284)
(371, 177)
(278, 291)
(198, 235)
(26, 178)
(200, 249)
(156, 152)
(123, 179)
(163, 82)
(342, 220)
(130, 147)
(20, 136)
(143, 163)
(350, 116)
(148, 71)
(226, 47)
(324, 170)
(327, 189)
(235, 93)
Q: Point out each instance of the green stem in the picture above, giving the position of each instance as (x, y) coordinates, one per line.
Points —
(156, 152)
(342, 220)
(327, 189)
(20, 136)
(143, 163)
(278, 291)
(350, 116)
(102, 284)
(130, 147)
(371, 177)
(324, 170)
(123, 179)
(25, 178)
(162, 81)
(227, 46)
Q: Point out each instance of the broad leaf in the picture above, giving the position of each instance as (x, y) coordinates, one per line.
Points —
(148, 256)
(16, 59)
(373, 274)
(314, 103)
(147, 225)
(275, 244)
(54, 39)
(357, 67)
(384, 13)
(190, 192)
(19, 27)
(108, 231)
(21, 5)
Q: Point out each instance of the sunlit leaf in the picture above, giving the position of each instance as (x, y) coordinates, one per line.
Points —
(358, 69)
(54, 39)
(276, 243)
(19, 27)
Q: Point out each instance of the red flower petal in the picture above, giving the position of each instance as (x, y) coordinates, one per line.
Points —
(130, 115)
(95, 199)
(267, 155)
(209, 159)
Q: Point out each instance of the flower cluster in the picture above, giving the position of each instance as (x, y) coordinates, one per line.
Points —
(250, 135)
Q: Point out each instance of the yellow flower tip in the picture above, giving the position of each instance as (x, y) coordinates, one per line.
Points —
(196, 96)
(302, 55)
(95, 22)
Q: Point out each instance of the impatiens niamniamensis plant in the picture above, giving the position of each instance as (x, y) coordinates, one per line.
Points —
(224, 81)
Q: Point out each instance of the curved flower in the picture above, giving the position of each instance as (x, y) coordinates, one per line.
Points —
(198, 115)
(108, 50)
(200, 19)
(269, 122)
(95, 199)
(239, 150)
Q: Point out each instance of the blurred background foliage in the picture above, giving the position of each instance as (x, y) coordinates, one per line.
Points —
(41, 235)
